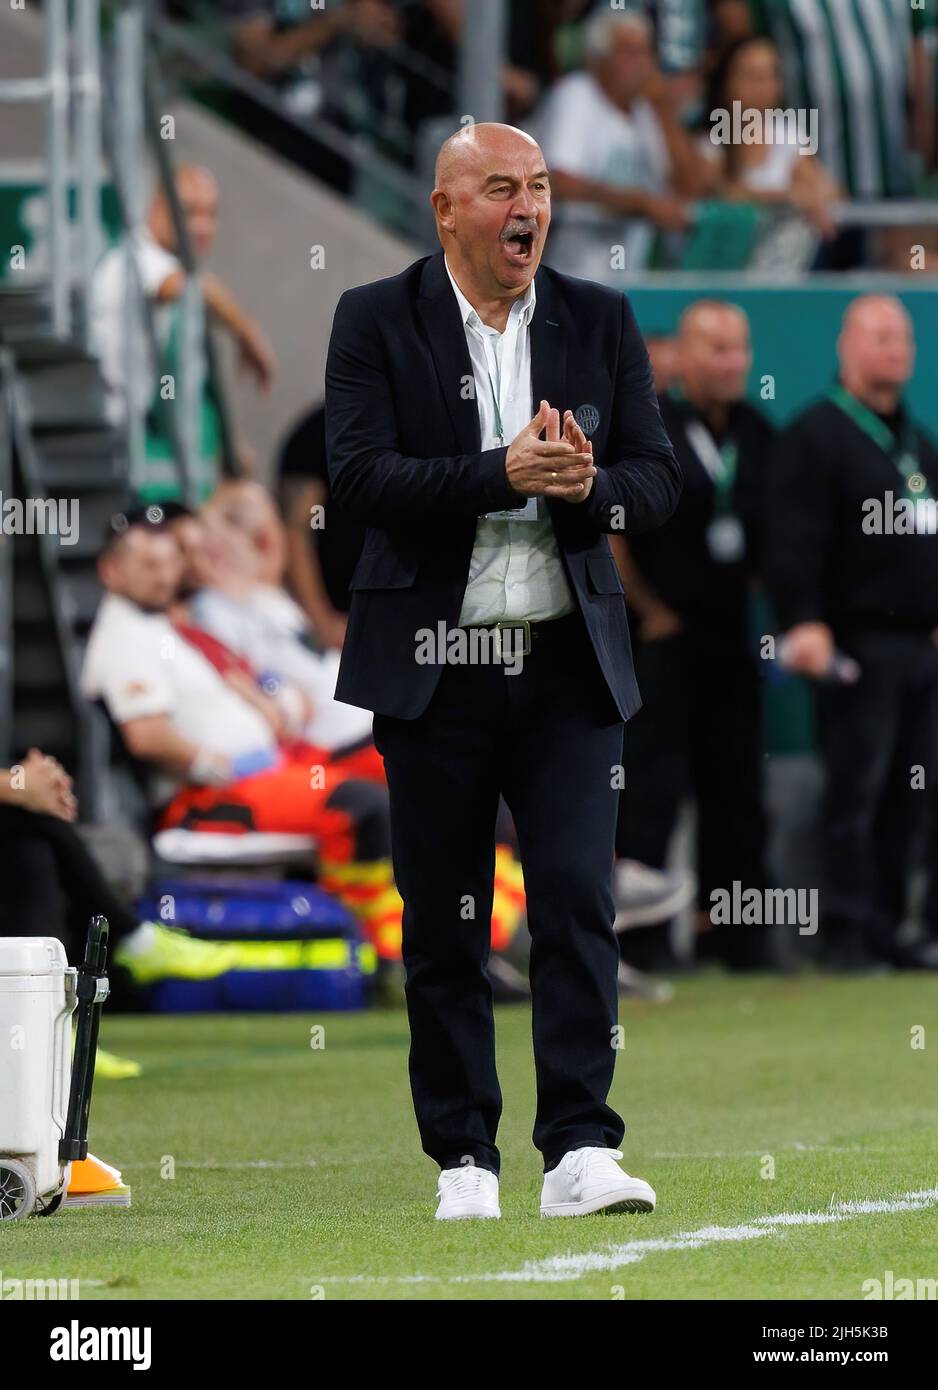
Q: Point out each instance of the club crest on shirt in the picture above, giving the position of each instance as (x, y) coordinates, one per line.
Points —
(587, 417)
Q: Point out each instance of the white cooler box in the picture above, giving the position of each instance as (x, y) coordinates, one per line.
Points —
(39, 1115)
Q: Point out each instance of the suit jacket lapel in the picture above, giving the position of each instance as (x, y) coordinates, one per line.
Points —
(549, 363)
(548, 348)
(439, 311)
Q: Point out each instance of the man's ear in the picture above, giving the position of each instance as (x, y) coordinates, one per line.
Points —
(443, 207)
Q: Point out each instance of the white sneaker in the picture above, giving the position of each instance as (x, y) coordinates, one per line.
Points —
(588, 1180)
(467, 1192)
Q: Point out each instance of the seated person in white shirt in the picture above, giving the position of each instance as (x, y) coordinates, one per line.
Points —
(213, 749)
(235, 559)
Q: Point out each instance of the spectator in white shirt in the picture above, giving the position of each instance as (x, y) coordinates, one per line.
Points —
(162, 280)
(235, 557)
(175, 711)
(621, 165)
(213, 743)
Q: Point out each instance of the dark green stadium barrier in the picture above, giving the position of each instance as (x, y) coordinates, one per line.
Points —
(794, 334)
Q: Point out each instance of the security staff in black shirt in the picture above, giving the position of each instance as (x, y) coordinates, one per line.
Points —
(323, 543)
(688, 586)
(853, 569)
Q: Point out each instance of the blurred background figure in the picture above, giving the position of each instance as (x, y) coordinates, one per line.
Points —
(663, 355)
(50, 885)
(688, 588)
(323, 545)
(162, 280)
(622, 166)
(847, 581)
(243, 603)
(868, 74)
(434, 29)
(767, 174)
(308, 56)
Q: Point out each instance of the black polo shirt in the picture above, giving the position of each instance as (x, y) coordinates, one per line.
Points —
(825, 563)
(682, 561)
(339, 540)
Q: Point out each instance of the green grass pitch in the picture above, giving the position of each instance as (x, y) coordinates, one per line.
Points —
(264, 1168)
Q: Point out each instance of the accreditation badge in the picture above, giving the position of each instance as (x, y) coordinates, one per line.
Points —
(526, 513)
(726, 540)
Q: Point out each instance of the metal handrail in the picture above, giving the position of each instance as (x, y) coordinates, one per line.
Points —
(174, 38)
(186, 257)
(136, 78)
(56, 37)
(87, 91)
(75, 28)
(878, 212)
(908, 212)
(166, 417)
(54, 88)
(712, 282)
(405, 57)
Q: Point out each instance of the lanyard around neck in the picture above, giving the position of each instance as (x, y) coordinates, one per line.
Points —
(495, 392)
(499, 427)
(720, 461)
(903, 452)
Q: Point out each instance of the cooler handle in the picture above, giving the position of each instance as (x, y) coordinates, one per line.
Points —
(92, 989)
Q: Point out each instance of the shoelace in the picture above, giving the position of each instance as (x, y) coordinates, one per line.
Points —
(582, 1157)
(467, 1181)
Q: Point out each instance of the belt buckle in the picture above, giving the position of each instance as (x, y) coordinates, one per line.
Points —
(509, 624)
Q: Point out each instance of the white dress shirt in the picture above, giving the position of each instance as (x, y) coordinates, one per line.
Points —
(515, 570)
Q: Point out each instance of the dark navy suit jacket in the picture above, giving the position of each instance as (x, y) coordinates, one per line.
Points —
(405, 458)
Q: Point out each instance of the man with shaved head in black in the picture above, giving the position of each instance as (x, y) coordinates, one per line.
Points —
(490, 422)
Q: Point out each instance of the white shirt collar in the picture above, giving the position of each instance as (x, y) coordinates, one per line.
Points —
(522, 308)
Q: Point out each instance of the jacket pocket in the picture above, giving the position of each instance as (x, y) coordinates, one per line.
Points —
(602, 575)
(384, 570)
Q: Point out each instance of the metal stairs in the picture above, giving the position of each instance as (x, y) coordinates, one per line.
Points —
(58, 444)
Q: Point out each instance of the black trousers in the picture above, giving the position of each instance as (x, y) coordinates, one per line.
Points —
(548, 740)
(873, 734)
(699, 733)
(49, 883)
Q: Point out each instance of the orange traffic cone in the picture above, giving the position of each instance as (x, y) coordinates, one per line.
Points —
(95, 1184)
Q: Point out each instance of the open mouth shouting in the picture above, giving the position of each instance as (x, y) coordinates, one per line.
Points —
(519, 240)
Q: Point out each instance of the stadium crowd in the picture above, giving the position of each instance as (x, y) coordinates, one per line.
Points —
(622, 99)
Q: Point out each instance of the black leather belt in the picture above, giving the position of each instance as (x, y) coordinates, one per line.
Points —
(530, 633)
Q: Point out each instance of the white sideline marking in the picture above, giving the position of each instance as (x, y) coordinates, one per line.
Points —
(560, 1268)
